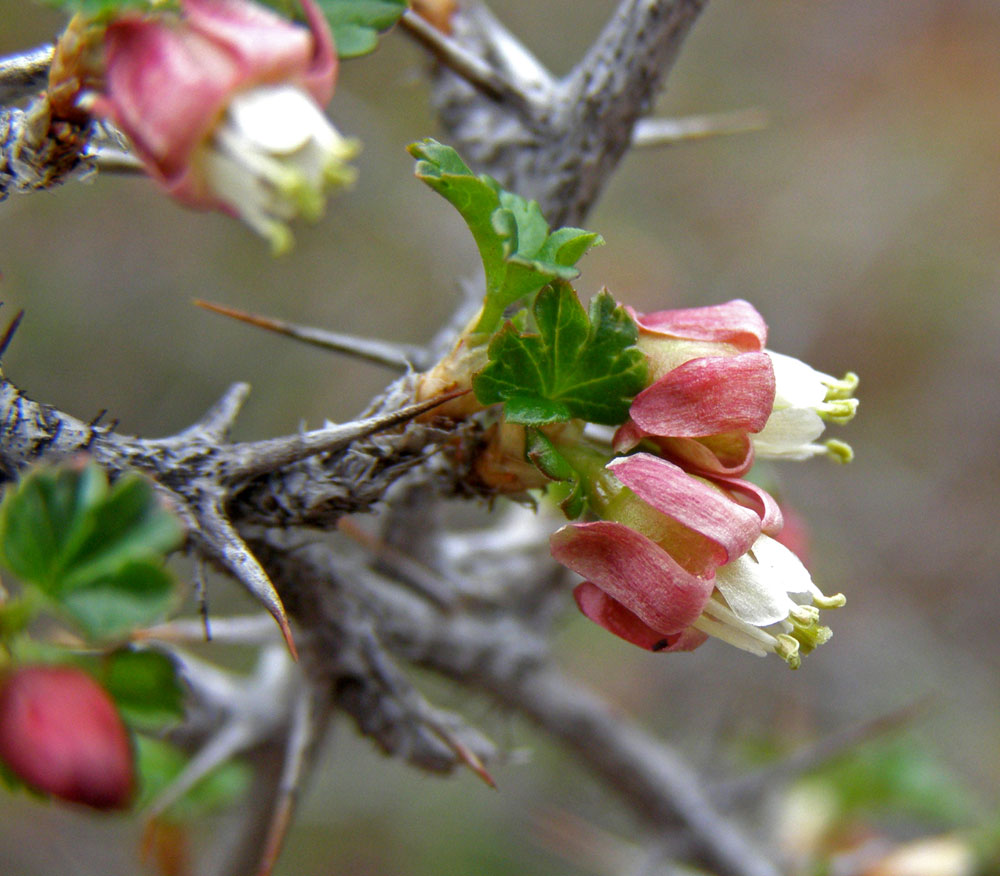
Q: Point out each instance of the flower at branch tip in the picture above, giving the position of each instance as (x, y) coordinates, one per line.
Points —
(61, 734)
(676, 558)
(223, 106)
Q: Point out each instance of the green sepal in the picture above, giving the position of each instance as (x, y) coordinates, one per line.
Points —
(551, 463)
(577, 366)
(519, 254)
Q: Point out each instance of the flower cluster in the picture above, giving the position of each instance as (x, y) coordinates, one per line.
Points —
(223, 105)
(684, 548)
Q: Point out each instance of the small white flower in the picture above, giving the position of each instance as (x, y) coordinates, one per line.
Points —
(805, 400)
(272, 158)
(766, 602)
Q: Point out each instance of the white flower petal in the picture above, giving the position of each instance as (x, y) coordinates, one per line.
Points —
(758, 584)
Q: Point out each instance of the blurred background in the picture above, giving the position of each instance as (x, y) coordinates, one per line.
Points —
(863, 223)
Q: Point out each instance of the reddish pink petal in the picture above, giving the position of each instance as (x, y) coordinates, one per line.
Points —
(707, 396)
(595, 604)
(627, 436)
(166, 89)
(736, 322)
(634, 571)
(760, 500)
(699, 506)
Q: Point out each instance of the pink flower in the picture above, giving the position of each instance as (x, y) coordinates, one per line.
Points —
(711, 386)
(223, 106)
(677, 558)
(60, 733)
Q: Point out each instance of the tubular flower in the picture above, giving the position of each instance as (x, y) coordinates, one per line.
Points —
(61, 734)
(223, 106)
(711, 386)
(678, 558)
(716, 396)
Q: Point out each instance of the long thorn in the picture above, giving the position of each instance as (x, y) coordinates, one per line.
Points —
(8, 335)
(666, 132)
(223, 540)
(399, 357)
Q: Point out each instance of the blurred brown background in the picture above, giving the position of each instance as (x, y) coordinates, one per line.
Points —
(863, 223)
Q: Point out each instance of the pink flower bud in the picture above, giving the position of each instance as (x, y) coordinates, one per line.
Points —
(223, 107)
(61, 734)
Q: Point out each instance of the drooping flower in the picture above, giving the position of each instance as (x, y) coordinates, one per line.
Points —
(60, 733)
(711, 386)
(677, 558)
(716, 396)
(223, 106)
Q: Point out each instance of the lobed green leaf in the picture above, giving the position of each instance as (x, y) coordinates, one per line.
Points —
(577, 365)
(518, 252)
(94, 550)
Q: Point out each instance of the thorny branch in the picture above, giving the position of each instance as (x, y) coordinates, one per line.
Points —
(362, 616)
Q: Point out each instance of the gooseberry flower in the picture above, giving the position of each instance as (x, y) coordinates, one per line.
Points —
(223, 107)
(677, 558)
(717, 397)
(711, 386)
(60, 733)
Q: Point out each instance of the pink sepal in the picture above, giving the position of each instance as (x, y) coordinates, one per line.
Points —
(731, 528)
(596, 605)
(166, 89)
(635, 571)
(729, 454)
(763, 504)
(735, 322)
(267, 47)
(707, 396)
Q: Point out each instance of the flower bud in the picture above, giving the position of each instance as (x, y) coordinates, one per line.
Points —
(61, 734)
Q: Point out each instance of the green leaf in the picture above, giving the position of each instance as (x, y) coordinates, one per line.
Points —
(145, 688)
(97, 552)
(98, 9)
(519, 254)
(159, 763)
(575, 367)
(128, 524)
(132, 596)
(356, 24)
(898, 776)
